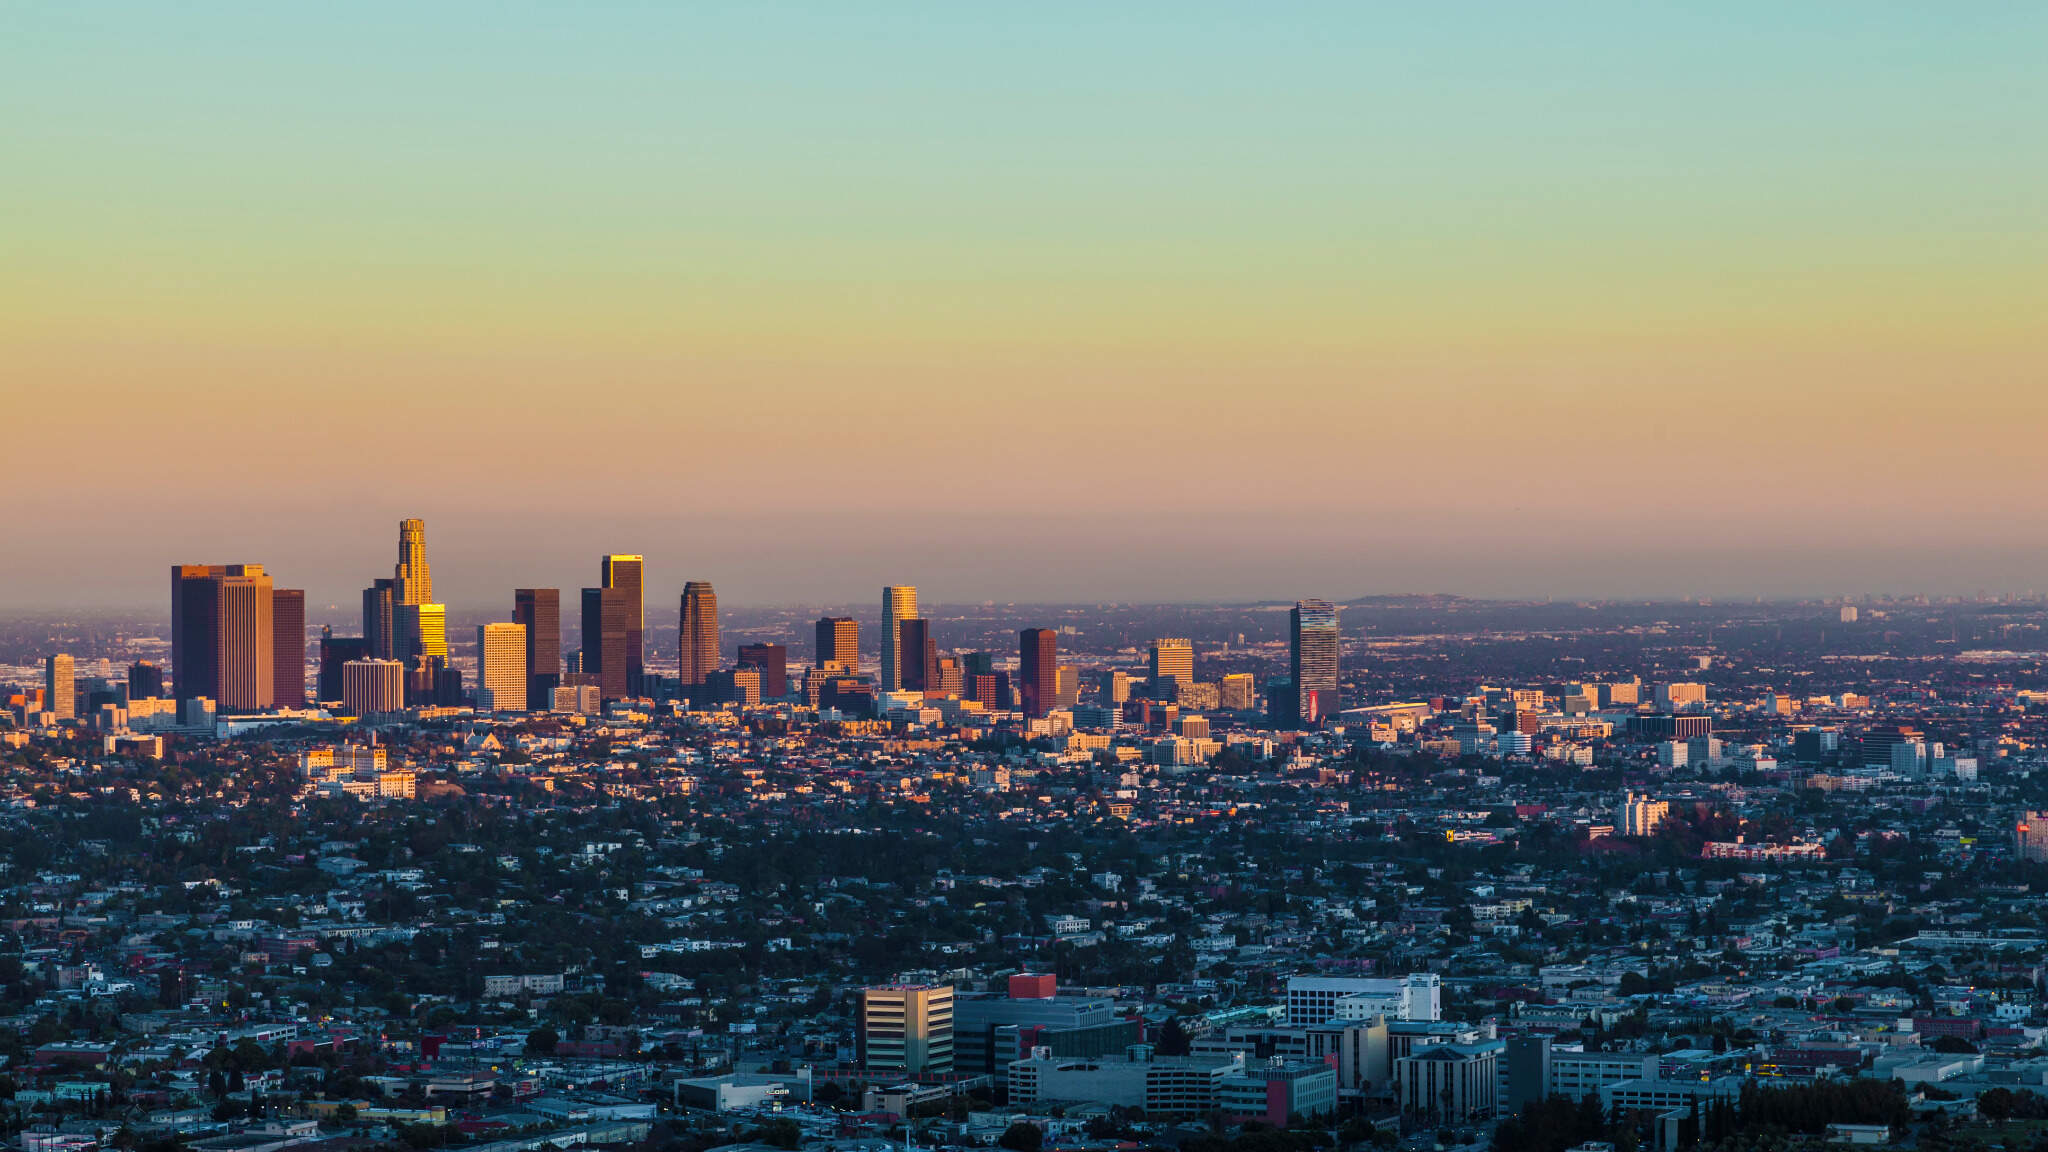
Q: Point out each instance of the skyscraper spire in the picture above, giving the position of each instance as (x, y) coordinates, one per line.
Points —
(413, 578)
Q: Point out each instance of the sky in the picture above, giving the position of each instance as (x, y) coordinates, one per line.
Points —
(1047, 302)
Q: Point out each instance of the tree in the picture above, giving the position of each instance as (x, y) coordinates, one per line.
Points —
(1021, 1137)
(1173, 1039)
(542, 1041)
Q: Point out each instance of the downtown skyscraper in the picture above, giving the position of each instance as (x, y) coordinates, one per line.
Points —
(697, 638)
(1314, 639)
(223, 636)
(627, 574)
(539, 610)
(838, 642)
(1038, 670)
(604, 640)
(899, 603)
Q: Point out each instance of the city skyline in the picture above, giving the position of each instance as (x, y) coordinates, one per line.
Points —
(1400, 307)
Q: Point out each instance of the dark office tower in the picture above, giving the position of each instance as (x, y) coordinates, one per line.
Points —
(540, 609)
(915, 653)
(145, 680)
(335, 653)
(839, 642)
(288, 647)
(697, 639)
(772, 661)
(380, 619)
(989, 689)
(604, 640)
(1038, 670)
(221, 635)
(195, 625)
(624, 573)
(1314, 649)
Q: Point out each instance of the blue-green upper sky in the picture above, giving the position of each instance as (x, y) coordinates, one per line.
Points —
(1197, 223)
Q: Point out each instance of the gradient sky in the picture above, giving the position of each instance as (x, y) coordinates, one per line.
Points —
(1027, 302)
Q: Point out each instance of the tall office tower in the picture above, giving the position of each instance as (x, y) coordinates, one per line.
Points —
(839, 642)
(288, 646)
(335, 652)
(424, 631)
(905, 1028)
(899, 603)
(60, 686)
(624, 573)
(413, 578)
(501, 677)
(948, 679)
(1113, 686)
(195, 624)
(1038, 670)
(915, 653)
(1172, 659)
(370, 687)
(540, 610)
(222, 635)
(1315, 637)
(772, 660)
(604, 640)
(1069, 693)
(1236, 691)
(989, 689)
(145, 680)
(697, 638)
(380, 619)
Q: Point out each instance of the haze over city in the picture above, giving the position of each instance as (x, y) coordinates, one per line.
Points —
(1059, 305)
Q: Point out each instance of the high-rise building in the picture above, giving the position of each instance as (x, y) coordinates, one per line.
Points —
(2030, 837)
(1172, 659)
(916, 653)
(380, 619)
(948, 678)
(604, 640)
(1038, 670)
(501, 679)
(370, 687)
(1640, 815)
(1236, 691)
(905, 1028)
(1313, 649)
(899, 603)
(540, 610)
(413, 580)
(772, 661)
(288, 647)
(624, 573)
(60, 686)
(839, 642)
(222, 635)
(145, 680)
(697, 639)
(423, 629)
(1112, 686)
(335, 652)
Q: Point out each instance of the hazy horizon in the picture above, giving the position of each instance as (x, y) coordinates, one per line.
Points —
(1067, 304)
